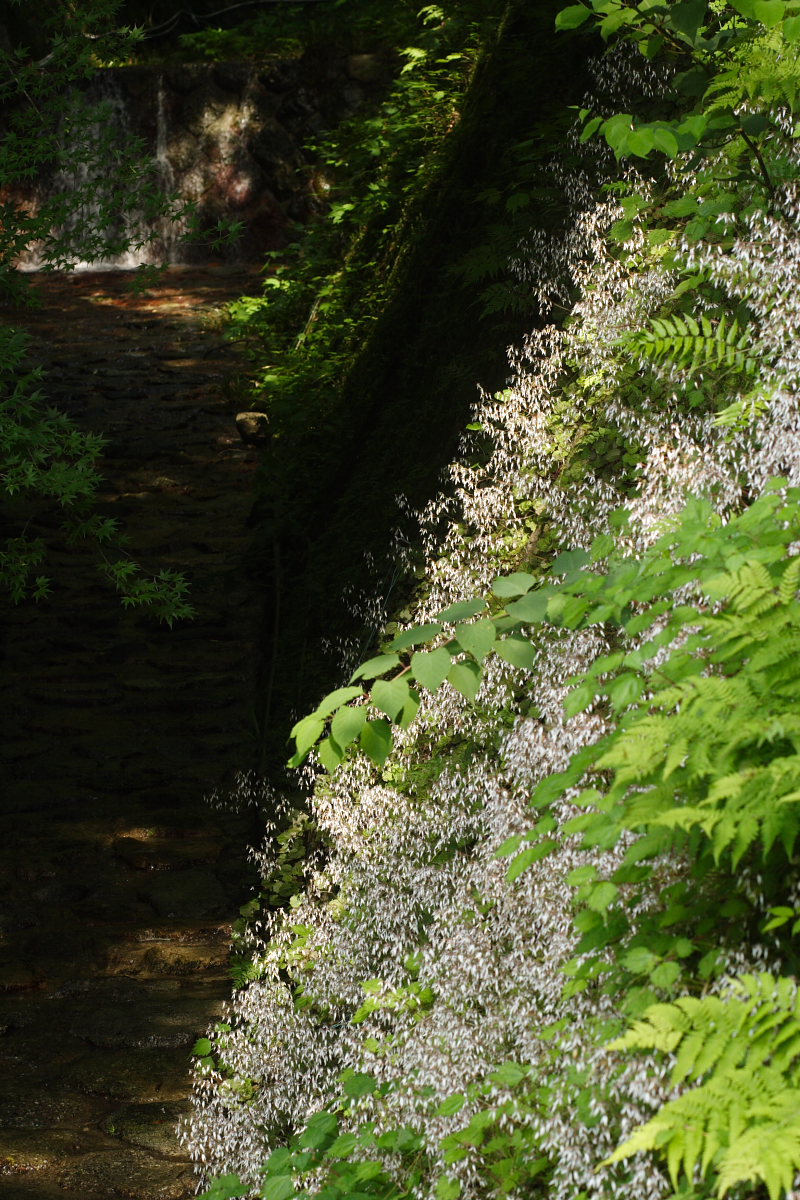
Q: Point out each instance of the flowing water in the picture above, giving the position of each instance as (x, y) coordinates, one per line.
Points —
(118, 884)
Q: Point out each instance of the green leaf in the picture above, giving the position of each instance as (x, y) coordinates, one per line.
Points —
(376, 740)
(416, 635)
(461, 611)
(335, 700)
(569, 561)
(639, 960)
(376, 666)
(447, 1188)
(343, 1147)
(476, 638)
(687, 17)
(528, 856)
(225, 1187)
(602, 896)
(665, 974)
(602, 546)
(516, 650)
(276, 1187)
(390, 696)
(430, 667)
(572, 17)
(509, 1074)
(531, 608)
(359, 1084)
(347, 725)
(507, 586)
(202, 1047)
(769, 12)
(451, 1105)
(330, 755)
(465, 678)
(320, 1131)
(305, 733)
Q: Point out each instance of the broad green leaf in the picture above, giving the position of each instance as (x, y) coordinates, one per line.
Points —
(321, 1131)
(568, 561)
(476, 638)
(343, 1147)
(517, 651)
(390, 696)
(359, 1084)
(528, 856)
(531, 608)
(579, 699)
(465, 678)
(347, 725)
(416, 635)
(461, 611)
(769, 12)
(624, 690)
(430, 667)
(602, 546)
(410, 709)
(203, 1047)
(509, 846)
(226, 1187)
(330, 755)
(639, 959)
(581, 875)
(687, 17)
(509, 1074)
(276, 1187)
(376, 740)
(376, 666)
(566, 610)
(451, 1105)
(447, 1188)
(572, 17)
(334, 700)
(305, 734)
(508, 586)
(602, 896)
(665, 974)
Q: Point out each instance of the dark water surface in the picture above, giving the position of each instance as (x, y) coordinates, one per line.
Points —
(118, 883)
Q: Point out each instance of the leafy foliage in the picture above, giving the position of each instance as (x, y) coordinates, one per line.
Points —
(742, 1050)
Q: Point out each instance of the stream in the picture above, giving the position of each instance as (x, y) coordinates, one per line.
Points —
(119, 883)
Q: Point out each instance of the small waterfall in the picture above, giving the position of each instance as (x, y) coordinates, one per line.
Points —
(144, 154)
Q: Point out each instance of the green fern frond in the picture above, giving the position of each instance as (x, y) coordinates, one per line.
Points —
(691, 345)
(742, 1121)
(765, 71)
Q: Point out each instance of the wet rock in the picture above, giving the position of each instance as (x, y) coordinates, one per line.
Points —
(24, 1106)
(149, 1127)
(161, 854)
(253, 427)
(140, 1076)
(131, 1174)
(366, 68)
(21, 1152)
(189, 893)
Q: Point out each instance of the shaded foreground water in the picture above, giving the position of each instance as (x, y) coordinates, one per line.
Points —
(118, 884)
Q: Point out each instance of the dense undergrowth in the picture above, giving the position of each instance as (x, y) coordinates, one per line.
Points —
(365, 376)
(542, 940)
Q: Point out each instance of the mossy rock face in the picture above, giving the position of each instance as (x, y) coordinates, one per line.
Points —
(328, 507)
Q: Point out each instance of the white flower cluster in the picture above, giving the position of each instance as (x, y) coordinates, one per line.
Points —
(411, 890)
